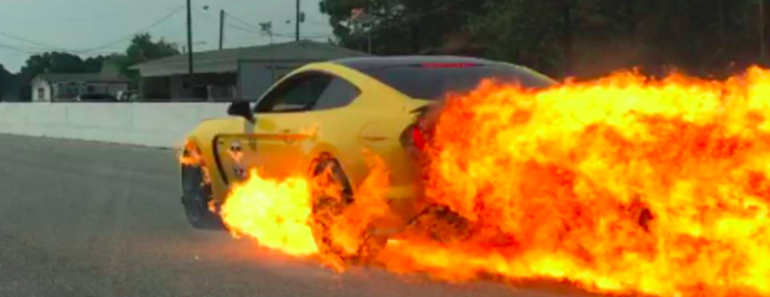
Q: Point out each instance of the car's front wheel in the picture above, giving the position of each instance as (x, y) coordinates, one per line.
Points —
(195, 200)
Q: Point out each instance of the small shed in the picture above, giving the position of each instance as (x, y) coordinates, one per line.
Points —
(224, 75)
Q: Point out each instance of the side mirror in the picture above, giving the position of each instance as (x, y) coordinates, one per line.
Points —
(241, 109)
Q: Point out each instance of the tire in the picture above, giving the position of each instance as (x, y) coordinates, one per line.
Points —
(440, 224)
(327, 207)
(196, 199)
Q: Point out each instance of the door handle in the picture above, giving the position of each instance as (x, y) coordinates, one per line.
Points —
(374, 138)
(287, 136)
(252, 143)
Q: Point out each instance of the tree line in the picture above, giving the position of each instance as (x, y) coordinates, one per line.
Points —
(583, 38)
(579, 38)
(141, 49)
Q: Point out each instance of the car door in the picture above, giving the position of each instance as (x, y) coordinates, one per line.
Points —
(283, 120)
(327, 125)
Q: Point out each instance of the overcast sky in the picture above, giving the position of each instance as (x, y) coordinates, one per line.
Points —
(105, 26)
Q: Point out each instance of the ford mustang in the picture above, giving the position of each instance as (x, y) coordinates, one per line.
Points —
(319, 118)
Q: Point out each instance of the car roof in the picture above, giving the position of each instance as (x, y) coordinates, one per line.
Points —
(366, 63)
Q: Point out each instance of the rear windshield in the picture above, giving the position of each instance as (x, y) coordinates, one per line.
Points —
(433, 82)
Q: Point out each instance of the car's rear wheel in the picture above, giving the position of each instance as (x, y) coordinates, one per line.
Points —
(332, 195)
(195, 199)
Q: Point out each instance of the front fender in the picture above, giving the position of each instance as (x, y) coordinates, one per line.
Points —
(203, 137)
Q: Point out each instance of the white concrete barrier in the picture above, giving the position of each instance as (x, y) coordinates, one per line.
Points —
(148, 124)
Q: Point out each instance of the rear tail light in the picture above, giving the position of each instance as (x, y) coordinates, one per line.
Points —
(418, 137)
(414, 137)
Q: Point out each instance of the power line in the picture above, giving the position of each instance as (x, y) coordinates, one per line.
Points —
(97, 50)
(226, 21)
(284, 35)
(48, 47)
(247, 30)
(31, 41)
(247, 27)
(103, 15)
(253, 29)
(304, 36)
(16, 49)
(201, 12)
(230, 25)
(153, 25)
(258, 30)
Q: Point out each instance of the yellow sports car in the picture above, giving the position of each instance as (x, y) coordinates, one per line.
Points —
(322, 116)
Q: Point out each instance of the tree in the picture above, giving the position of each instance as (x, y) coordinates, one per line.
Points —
(59, 62)
(398, 26)
(51, 62)
(592, 37)
(142, 49)
(567, 37)
(94, 64)
(6, 82)
(539, 34)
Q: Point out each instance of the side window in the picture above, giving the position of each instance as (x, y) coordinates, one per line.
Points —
(340, 93)
(297, 94)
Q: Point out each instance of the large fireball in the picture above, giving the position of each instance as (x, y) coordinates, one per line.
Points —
(623, 185)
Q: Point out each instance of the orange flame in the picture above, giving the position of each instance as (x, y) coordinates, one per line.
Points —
(190, 155)
(279, 214)
(351, 229)
(276, 213)
(623, 185)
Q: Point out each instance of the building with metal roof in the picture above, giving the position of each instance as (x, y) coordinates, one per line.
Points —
(239, 73)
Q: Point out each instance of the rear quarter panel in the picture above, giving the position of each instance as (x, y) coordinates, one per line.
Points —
(379, 112)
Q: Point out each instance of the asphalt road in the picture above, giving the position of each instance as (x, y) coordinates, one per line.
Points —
(89, 219)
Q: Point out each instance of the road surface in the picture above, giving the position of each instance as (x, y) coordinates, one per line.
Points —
(90, 219)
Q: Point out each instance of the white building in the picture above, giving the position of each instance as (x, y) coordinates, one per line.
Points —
(63, 87)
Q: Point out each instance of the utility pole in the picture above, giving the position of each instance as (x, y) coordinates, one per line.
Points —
(221, 28)
(299, 17)
(191, 73)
